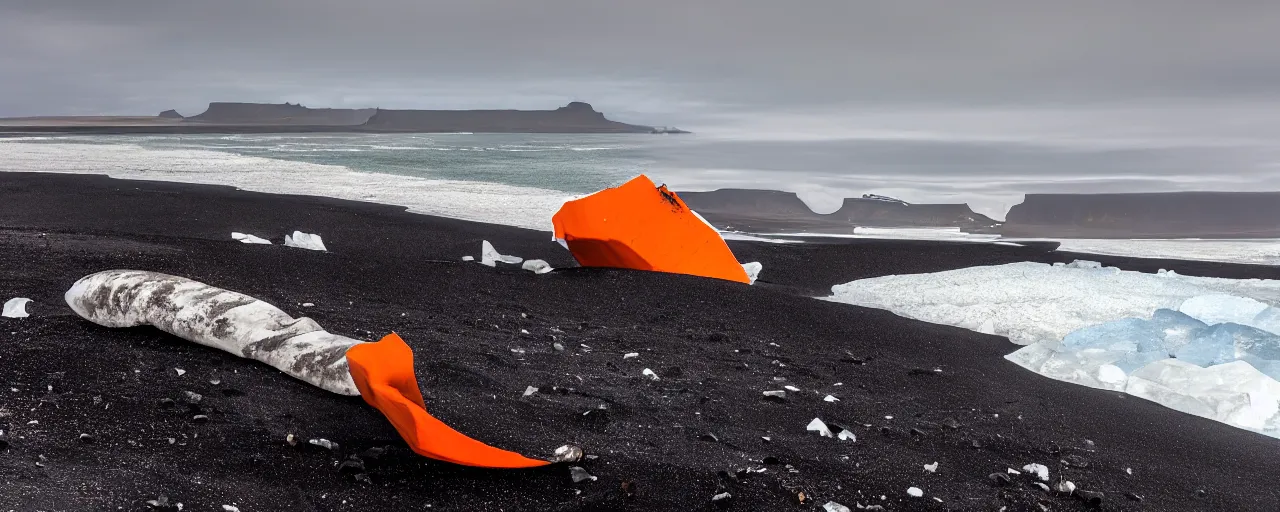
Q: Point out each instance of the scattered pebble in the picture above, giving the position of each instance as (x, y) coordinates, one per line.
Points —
(530, 390)
(846, 435)
(649, 373)
(818, 426)
(932, 468)
(630, 355)
(1039, 470)
(915, 492)
(580, 475)
(830, 398)
(180, 371)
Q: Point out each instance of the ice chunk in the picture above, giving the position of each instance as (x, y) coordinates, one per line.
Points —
(1234, 393)
(649, 373)
(1222, 308)
(818, 426)
(915, 492)
(15, 308)
(932, 468)
(846, 435)
(1084, 264)
(537, 266)
(1039, 470)
(1268, 320)
(832, 506)
(490, 256)
(1030, 302)
(304, 241)
(249, 239)
(753, 270)
(468, 258)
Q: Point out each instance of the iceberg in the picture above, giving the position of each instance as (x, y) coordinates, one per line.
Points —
(304, 241)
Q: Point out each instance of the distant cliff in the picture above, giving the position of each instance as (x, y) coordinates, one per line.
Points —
(281, 115)
(170, 114)
(576, 117)
(1155, 215)
(774, 211)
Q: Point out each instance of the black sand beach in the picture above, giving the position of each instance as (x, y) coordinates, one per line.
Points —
(674, 443)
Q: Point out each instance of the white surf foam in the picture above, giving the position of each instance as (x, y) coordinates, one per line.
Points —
(525, 207)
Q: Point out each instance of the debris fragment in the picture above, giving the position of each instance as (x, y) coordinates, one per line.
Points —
(830, 398)
(932, 468)
(530, 390)
(846, 435)
(324, 443)
(915, 492)
(818, 426)
(630, 355)
(537, 266)
(649, 373)
(15, 308)
(832, 506)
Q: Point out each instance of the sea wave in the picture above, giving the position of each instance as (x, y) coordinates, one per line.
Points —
(525, 207)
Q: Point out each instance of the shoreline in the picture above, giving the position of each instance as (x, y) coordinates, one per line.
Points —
(678, 441)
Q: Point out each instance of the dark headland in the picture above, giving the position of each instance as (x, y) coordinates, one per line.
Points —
(230, 117)
(1150, 215)
(482, 335)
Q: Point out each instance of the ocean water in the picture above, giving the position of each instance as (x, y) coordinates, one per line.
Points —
(522, 179)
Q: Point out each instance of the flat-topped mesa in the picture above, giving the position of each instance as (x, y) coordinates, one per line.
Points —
(887, 213)
(170, 114)
(739, 202)
(286, 114)
(1149, 215)
(576, 117)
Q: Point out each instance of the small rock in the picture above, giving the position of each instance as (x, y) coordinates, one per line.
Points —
(192, 397)
(87, 439)
(998, 479)
(580, 475)
(915, 492)
(1091, 498)
(291, 439)
(830, 398)
(649, 373)
(630, 355)
(200, 418)
(373, 454)
(932, 468)
(951, 423)
(180, 371)
(351, 466)
(557, 346)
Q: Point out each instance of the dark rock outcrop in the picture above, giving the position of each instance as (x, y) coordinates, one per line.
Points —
(775, 211)
(1153, 215)
(281, 115)
(576, 117)
(170, 114)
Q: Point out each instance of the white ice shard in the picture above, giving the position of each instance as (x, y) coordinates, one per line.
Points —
(537, 266)
(753, 270)
(15, 308)
(1030, 302)
(249, 239)
(1234, 393)
(213, 317)
(818, 426)
(490, 256)
(304, 241)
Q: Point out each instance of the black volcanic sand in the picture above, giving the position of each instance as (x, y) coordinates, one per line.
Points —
(677, 441)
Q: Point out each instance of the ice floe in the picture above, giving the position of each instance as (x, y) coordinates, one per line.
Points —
(304, 241)
(15, 308)
(1205, 346)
